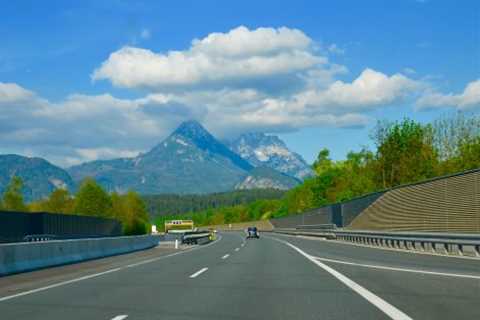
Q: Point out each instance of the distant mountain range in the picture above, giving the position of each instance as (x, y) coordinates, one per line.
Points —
(190, 160)
(39, 176)
(265, 150)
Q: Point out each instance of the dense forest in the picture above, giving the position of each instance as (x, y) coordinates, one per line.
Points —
(171, 204)
(406, 152)
(89, 200)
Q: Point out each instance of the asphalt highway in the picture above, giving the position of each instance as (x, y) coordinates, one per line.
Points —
(274, 277)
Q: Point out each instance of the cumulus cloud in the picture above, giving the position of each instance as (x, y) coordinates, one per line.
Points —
(10, 92)
(218, 59)
(467, 100)
(267, 79)
(341, 104)
(369, 90)
(83, 127)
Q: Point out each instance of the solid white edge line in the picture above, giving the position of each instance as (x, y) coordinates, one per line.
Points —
(226, 256)
(20, 294)
(378, 302)
(58, 284)
(446, 274)
(199, 272)
(120, 317)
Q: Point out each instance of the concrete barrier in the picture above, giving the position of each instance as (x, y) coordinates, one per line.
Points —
(20, 257)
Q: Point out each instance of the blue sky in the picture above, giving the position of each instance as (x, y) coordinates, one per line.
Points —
(71, 72)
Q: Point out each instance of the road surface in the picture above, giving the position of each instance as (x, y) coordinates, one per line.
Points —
(274, 277)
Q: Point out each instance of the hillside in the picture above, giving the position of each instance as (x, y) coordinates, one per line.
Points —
(39, 176)
(164, 204)
(267, 178)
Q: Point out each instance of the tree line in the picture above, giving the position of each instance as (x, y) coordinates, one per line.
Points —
(171, 204)
(407, 151)
(90, 200)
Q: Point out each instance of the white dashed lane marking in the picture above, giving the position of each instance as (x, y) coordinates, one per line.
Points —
(199, 272)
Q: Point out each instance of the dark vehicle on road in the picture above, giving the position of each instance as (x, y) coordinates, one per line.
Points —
(252, 232)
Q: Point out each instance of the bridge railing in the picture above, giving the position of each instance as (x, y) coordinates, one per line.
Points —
(428, 242)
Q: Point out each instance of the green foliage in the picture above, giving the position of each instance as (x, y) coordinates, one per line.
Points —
(468, 155)
(453, 131)
(164, 204)
(59, 201)
(405, 153)
(257, 210)
(92, 200)
(12, 197)
(323, 162)
(134, 213)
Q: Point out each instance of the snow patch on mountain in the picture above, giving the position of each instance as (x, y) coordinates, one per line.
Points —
(268, 150)
(180, 141)
(59, 184)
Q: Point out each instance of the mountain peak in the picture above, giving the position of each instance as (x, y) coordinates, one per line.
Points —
(191, 129)
(193, 133)
(259, 138)
(261, 149)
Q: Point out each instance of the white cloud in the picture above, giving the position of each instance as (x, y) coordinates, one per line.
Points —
(89, 154)
(266, 79)
(369, 90)
(11, 92)
(244, 42)
(341, 104)
(219, 58)
(83, 127)
(468, 99)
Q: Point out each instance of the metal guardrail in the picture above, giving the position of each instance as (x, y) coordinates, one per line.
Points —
(194, 237)
(324, 226)
(429, 242)
(39, 237)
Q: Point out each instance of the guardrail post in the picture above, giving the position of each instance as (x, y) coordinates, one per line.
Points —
(460, 249)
